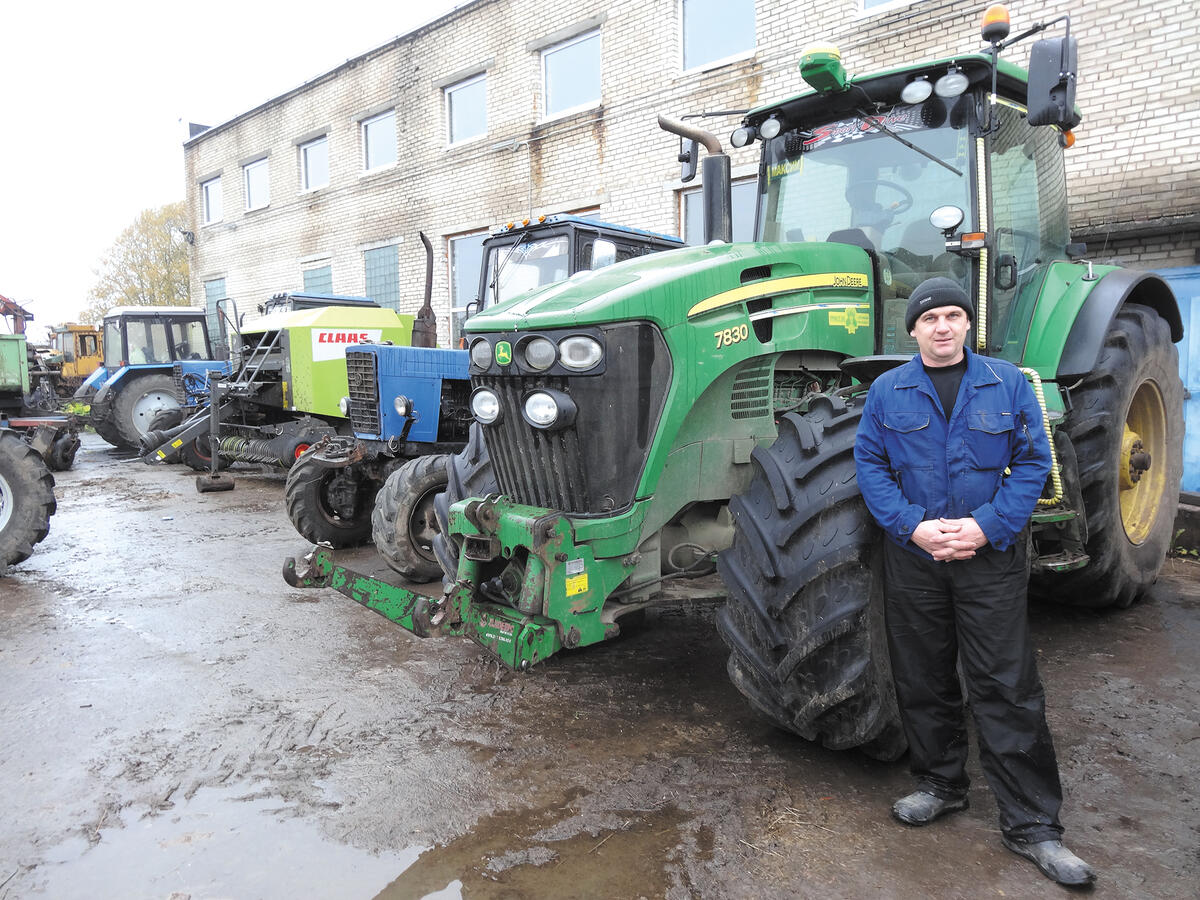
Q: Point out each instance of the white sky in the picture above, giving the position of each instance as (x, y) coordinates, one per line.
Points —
(94, 104)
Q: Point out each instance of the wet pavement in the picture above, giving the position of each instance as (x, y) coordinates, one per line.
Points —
(179, 723)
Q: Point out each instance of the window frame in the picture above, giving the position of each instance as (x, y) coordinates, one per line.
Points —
(740, 55)
(546, 52)
(305, 182)
(455, 325)
(206, 196)
(884, 6)
(745, 181)
(394, 297)
(253, 166)
(364, 128)
(447, 93)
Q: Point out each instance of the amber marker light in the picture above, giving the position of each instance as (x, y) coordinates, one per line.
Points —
(1067, 140)
(973, 240)
(995, 25)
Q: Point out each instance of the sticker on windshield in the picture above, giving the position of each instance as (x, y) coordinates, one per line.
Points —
(902, 118)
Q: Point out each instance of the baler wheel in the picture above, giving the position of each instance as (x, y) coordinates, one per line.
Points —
(804, 617)
(403, 524)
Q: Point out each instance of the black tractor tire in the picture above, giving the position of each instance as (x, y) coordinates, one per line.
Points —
(1135, 388)
(137, 404)
(402, 524)
(804, 617)
(167, 419)
(312, 507)
(26, 499)
(62, 452)
(469, 473)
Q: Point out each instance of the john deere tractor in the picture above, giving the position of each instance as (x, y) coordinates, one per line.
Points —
(698, 408)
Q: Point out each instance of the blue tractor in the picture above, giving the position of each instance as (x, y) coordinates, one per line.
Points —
(409, 407)
(146, 348)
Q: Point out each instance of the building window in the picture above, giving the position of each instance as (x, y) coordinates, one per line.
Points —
(319, 280)
(466, 260)
(874, 6)
(382, 268)
(571, 74)
(214, 290)
(745, 204)
(715, 30)
(466, 109)
(258, 184)
(314, 164)
(379, 141)
(210, 200)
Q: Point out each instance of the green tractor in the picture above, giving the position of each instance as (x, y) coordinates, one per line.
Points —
(697, 409)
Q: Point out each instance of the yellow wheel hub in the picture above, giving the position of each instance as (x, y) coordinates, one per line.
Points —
(1140, 481)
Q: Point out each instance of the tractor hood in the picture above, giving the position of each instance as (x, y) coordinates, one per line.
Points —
(687, 285)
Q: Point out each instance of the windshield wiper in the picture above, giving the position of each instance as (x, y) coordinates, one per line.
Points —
(495, 285)
(873, 121)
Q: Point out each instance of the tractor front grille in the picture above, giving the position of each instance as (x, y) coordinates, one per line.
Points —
(364, 392)
(592, 467)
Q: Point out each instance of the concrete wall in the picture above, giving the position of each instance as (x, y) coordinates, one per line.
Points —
(1135, 171)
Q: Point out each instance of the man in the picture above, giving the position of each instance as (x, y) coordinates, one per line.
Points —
(952, 455)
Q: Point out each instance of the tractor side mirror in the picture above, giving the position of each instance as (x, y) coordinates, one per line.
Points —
(689, 158)
(1052, 73)
(1006, 272)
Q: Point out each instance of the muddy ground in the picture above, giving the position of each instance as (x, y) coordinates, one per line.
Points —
(178, 722)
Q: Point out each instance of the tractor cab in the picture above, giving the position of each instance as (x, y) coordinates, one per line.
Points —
(154, 335)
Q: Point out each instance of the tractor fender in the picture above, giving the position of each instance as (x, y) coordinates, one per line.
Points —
(92, 383)
(109, 389)
(1114, 289)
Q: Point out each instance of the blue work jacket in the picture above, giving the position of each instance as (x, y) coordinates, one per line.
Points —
(913, 465)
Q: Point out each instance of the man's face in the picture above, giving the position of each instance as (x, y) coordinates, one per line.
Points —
(941, 333)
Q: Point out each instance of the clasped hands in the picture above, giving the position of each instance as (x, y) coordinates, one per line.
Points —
(947, 539)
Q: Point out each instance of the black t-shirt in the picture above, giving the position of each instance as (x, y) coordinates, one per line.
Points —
(946, 380)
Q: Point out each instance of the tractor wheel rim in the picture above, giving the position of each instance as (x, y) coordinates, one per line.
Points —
(1142, 477)
(147, 406)
(420, 525)
(7, 501)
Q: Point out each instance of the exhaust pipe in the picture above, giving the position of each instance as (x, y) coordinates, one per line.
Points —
(424, 330)
(716, 176)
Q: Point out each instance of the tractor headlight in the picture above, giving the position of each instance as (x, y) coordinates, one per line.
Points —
(403, 406)
(579, 353)
(548, 409)
(485, 406)
(344, 406)
(481, 354)
(539, 353)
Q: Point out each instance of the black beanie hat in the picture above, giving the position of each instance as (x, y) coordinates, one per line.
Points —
(935, 292)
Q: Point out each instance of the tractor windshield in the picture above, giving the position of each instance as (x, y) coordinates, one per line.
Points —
(513, 269)
(851, 181)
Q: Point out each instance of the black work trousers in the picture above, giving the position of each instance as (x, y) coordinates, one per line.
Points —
(973, 611)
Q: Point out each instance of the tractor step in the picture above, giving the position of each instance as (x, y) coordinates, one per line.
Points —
(1064, 561)
(1054, 515)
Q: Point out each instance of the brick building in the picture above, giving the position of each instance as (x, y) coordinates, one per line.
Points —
(503, 109)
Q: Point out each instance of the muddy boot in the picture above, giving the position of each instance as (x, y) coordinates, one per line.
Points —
(1055, 861)
(922, 807)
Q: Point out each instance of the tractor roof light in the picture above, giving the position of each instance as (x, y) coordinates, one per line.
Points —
(953, 83)
(770, 128)
(916, 91)
(742, 136)
(995, 25)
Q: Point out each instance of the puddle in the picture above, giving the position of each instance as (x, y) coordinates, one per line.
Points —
(531, 854)
(223, 842)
